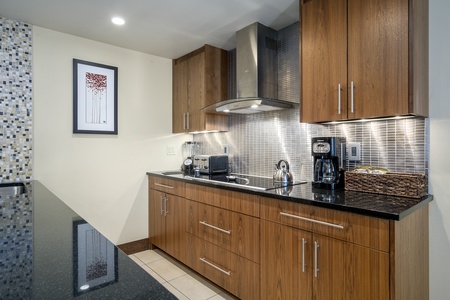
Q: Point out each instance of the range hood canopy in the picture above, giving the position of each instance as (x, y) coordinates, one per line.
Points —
(256, 75)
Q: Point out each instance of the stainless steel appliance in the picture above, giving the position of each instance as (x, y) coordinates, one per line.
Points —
(211, 164)
(329, 155)
(189, 149)
(282, 173)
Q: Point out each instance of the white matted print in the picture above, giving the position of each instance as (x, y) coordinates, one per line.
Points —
(94, 98)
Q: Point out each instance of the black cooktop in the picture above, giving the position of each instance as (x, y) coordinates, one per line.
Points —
(246, 181)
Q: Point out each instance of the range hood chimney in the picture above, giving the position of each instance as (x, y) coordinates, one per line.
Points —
(257, 83)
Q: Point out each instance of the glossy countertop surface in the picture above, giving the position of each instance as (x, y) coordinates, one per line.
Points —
(376, 205)
(49, 252)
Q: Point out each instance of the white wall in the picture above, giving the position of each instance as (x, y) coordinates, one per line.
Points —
(440, 149)
(102, 177)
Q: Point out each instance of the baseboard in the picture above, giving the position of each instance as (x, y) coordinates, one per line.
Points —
(134, 247)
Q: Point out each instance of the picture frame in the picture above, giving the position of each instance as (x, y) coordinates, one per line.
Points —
(95, 259)
(94, 98)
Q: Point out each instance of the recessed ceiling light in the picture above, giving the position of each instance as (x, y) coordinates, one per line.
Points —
(118, 21)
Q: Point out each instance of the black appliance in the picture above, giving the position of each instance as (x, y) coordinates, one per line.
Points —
(247, 181)
(329, 155)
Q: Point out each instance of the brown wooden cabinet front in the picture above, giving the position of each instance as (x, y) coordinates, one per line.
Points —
(297, 264)
(199, 79)
(357, 60)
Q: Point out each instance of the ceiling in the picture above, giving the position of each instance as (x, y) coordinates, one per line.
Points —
(166, 28)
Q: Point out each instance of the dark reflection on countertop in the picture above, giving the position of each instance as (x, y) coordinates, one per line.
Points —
(44, 243)
(377, 205)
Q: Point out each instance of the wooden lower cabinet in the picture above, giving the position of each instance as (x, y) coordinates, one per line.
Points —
(232, 272)
(167, 223)
(297, 264)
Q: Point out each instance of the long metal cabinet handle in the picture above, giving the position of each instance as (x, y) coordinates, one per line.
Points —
(214, 227)
(184, 120)
(316, 269)
(339, 99)
(214, 266)
(352, 87)
(312, 220)
(303, 255)
(161, 198)
(165, 206)
(163, 185)
(188, 121)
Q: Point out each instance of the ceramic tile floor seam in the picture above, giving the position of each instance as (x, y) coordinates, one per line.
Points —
(141, 257)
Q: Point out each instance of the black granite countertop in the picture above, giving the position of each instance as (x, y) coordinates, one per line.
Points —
(47, 251)
(376, 205)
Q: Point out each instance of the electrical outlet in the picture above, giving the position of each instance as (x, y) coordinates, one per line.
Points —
(226, 149)
(170, 150)
(354, 151)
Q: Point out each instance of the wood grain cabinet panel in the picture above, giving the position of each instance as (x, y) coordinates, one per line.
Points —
(232, 231)
(234, 273)
(167, 216)
(359, 229)
(200, 78)
(363, 59)
(235, 201)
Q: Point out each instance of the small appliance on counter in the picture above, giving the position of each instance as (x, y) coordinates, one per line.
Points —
(211, 164)
(189, 149)
(329, 162)
(282, 174)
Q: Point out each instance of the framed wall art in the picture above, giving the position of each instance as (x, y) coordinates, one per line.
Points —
(95, 262)
(94, 98)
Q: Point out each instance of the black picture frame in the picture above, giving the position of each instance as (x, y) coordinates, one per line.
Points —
(95, 98)
(95, 259)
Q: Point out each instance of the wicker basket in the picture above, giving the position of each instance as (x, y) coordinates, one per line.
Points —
(395, 184)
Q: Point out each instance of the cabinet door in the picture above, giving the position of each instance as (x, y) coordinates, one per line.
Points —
(196, 92)
(175, 226)
(156, 218)
(324, 60)
(286, 262)
(328, 268)
(366, 273)
(180, 96)
(378, 57)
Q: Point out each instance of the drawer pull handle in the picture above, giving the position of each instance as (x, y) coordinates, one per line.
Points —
(163, 185)
(214, 227)
(312, 220)
(214, 266)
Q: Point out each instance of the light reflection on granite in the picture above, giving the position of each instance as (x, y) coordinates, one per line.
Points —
(39, 259)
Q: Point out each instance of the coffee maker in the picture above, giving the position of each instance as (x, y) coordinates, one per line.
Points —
(329, 162)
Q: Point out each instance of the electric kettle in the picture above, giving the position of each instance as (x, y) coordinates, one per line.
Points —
(282, 173)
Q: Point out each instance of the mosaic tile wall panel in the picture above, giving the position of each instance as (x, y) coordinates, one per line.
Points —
(16, 248)
(256, 142)
(15, 101)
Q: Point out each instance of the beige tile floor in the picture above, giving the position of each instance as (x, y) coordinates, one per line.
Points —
(177, 278)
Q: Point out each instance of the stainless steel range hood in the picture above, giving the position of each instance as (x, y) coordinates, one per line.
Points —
(256, 67)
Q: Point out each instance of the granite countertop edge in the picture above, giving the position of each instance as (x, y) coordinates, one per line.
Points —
(387, 207)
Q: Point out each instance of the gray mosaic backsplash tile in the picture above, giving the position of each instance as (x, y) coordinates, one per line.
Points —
(256, 142)
(15, 101)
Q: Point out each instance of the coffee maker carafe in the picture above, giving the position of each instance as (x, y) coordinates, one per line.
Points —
(329, 162)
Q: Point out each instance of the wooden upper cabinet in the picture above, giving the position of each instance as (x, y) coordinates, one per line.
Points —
(200, 78)
(363, 59)
(324, 60)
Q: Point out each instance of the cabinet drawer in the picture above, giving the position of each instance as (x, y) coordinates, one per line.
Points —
(232, 231)
(166, 185)
(363, 230)
(240, 202)
(234, 273)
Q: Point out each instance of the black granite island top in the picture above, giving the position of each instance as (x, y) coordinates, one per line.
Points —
(49, 252)
(369, 204)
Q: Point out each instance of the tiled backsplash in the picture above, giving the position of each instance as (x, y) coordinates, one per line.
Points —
(256, 142)
(15, 101)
